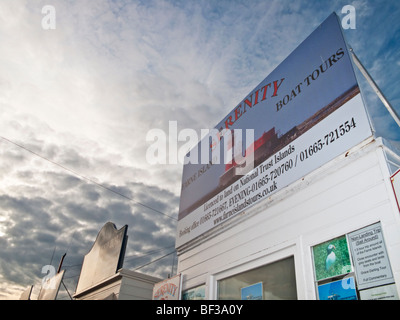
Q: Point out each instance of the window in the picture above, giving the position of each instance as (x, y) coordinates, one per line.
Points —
(197, 293)
(274, 281)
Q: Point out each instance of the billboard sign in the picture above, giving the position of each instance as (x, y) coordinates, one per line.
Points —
(388, 292)
(51, 286)
(303, 114)
(104, 258)
(26, 295)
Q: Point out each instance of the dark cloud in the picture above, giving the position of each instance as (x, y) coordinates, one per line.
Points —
(59, 212)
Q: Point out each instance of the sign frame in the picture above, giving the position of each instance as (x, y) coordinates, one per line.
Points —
(105, 257)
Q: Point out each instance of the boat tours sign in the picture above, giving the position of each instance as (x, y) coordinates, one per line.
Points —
(303, 114)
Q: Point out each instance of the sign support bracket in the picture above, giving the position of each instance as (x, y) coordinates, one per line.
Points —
(375, 87)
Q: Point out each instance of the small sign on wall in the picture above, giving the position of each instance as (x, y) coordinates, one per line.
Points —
(169, 289)
(331, 258)
(388, 292)
(252, 292)
(354, 266)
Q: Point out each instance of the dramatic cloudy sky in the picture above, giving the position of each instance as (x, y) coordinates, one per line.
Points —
(84, 96)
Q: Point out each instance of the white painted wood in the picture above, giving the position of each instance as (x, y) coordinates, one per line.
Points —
(136, 286)
(124, 285)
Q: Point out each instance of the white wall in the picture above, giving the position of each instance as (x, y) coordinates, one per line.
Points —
(124, 285)
(346, 194)
(136, 286)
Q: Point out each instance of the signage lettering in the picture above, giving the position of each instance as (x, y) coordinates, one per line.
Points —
(248, 102)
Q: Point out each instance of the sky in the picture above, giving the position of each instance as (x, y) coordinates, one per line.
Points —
(78, 99)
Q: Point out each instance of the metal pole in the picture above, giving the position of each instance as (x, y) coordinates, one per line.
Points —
(375, 87)
(61, 262)
(173, 260)
(65, 287)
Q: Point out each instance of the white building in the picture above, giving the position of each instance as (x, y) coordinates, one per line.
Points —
(123, 285)
(273, 241)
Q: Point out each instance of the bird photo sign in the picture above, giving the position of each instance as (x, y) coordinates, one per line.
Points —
(354, 265)
(332, 258)
(333, 270)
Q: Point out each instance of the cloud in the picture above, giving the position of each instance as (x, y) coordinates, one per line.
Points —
(47, 207)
